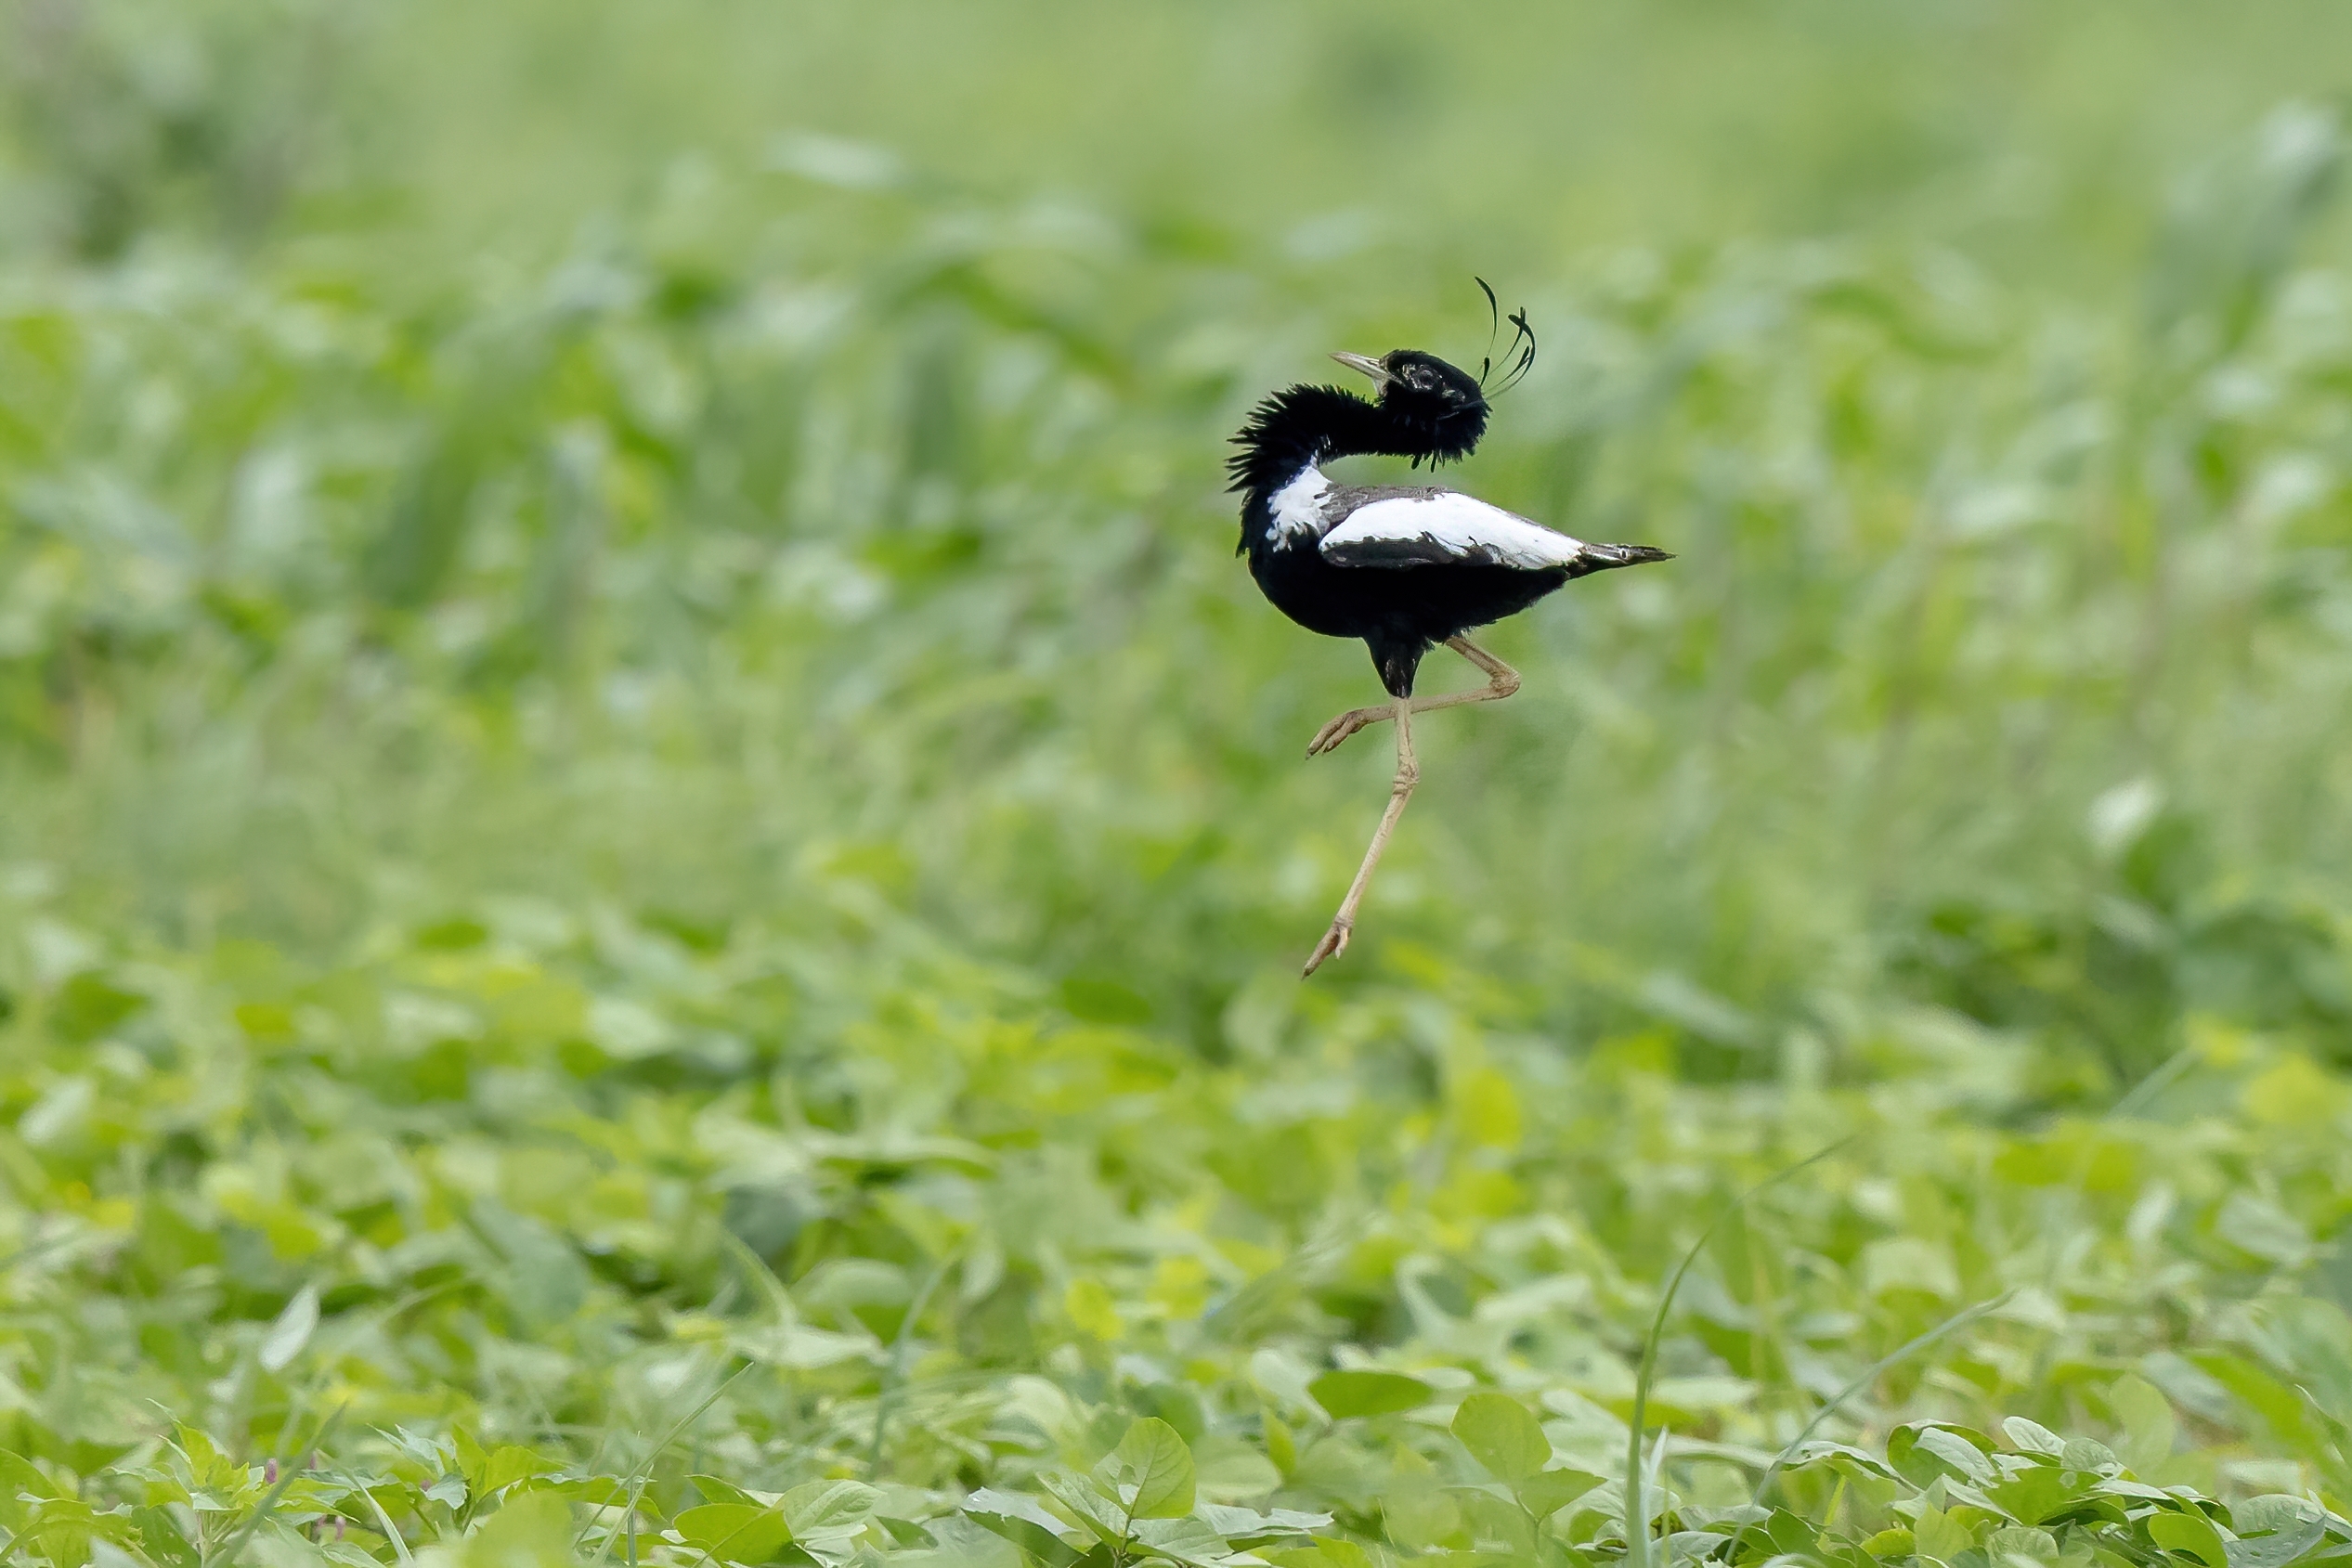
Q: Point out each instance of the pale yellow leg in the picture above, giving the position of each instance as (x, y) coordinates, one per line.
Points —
(1334, 940)
(1501, 681)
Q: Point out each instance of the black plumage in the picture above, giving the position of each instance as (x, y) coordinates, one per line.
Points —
(1403, 567)
(1406, 591)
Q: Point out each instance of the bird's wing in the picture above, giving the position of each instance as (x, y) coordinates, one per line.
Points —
(1443, 529)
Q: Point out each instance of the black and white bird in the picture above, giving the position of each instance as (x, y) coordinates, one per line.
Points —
(1404, 567)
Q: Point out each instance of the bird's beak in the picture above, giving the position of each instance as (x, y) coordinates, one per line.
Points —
(1364, 362)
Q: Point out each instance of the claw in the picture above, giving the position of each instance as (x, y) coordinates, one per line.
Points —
(1355, 718)
(1334, 942)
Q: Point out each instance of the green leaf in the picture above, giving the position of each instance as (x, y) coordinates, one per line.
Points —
(1328, 1552)
(210, 1468)
(1100, 1515)
(88, 1004)
(1012, 1505)
(1280, 1448)
(473, 1459)
(1248, 1524)
(1792, 1536)
(508, 1464)
(1231, 1469)
(734, 1532)
(2015, 1543)
(1503, 1436)
(20, 1480)
(1150, 1473)
(2274, 1530)
(1839, 1457)
(1547, 1492)
(2149, 1427)
(1022, 1521)
(2088, 1453)
(2041, 1493)
(604, 1491)
(1923, 1450)
(2286, 1410)
(2189, 1533)
(534, 1531)
(1936, 1534)
(718, 1489)
(61, 1528)
(2275, 1511)
(1182, 1541)
(2032, 1437)
(1343, 1395)
(828, 1509)
(284, 1339)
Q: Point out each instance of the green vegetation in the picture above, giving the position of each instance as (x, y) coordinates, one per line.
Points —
(653, 858)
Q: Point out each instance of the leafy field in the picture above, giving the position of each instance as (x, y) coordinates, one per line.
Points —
(653, 859)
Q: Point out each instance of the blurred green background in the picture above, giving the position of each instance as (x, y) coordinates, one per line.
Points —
(569, 568)
(669, 453)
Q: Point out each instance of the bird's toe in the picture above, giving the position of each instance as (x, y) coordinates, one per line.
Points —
(1334, 942)
(1329, 737)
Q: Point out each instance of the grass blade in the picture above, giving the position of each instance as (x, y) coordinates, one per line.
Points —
(645, 1470)
(1871, 1374)
(1637, 1518)
(287, 1472)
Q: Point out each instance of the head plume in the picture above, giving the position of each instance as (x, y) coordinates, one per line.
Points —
(1518, 355)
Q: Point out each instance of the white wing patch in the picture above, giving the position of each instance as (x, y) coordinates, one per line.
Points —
(1298, 506)
(1449, 527)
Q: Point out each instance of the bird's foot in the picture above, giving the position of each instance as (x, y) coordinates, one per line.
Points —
(1334, 942)
(1355, 718)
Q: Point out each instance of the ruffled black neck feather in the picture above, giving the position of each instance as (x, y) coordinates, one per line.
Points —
(1302, 425)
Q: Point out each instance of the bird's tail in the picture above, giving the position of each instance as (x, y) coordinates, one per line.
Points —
(1604, 557)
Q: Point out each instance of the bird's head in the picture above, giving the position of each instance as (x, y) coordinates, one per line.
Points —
(1438, 411)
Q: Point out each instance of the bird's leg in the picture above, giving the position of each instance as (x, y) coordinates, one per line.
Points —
(1501, 681)
(1334, 940)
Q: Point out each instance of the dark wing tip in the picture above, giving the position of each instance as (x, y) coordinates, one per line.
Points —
(1609, 557)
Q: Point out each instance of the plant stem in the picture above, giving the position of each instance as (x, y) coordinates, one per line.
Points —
(1637, 1518)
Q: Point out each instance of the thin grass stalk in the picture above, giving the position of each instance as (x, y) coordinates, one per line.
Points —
(1637, 1518)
